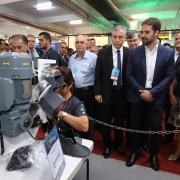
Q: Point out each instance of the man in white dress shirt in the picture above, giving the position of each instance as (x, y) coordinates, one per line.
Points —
(111, 88)
(149, 72)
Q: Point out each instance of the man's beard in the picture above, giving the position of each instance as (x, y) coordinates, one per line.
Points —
(147, 42)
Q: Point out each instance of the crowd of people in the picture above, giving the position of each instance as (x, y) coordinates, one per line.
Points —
(134, 85)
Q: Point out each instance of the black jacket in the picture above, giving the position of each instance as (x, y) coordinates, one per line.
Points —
(104, 65)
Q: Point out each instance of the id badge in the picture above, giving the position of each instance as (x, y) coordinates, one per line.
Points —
(115, 74)
(74, 72)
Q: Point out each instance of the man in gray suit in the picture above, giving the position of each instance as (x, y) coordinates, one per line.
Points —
(62, 52)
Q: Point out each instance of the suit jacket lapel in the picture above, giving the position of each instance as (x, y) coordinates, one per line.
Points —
(124, 60)
(144, 59)
(158, 60)
(110, 58)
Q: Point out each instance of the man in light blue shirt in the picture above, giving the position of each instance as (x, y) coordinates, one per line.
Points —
(82, 65)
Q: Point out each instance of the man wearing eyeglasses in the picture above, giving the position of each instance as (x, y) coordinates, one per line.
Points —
(2, 44)
(133, 39)
(33, 52)
(62, 53)
(82, 64)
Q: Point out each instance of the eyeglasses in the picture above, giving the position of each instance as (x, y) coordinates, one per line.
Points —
(63, 86)
(2, 43)
(132, 41)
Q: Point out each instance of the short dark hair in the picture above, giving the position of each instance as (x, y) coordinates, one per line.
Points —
(131, 34)
(6, 44)
(92, 39)
(154, 22)
(70, 50)
(20, 36)
(46, 35)
(67, 76)
(167, 44)
(62, 43)
(2, 40)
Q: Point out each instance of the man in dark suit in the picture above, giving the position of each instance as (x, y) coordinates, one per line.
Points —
(110, 88)
(33, 52)
(133, 41)
(62, 52)
(150, 70)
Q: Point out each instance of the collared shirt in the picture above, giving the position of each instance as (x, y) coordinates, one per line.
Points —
(84, 69)
(115, 60)
(151, 57)
(34, 52)
(176, 53)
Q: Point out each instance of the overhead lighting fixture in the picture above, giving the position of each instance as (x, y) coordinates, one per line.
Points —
(76, 22)
(27, 27)
(139, 16)
(43, 6)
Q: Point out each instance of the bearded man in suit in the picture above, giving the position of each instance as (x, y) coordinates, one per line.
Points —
(150, 71)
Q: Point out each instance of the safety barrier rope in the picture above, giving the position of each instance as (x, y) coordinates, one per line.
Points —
(132, 130)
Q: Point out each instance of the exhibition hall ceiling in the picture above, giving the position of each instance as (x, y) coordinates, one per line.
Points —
(97, 16)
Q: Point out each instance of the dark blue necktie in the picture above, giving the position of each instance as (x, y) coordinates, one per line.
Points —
(119, 67)
(178, 56)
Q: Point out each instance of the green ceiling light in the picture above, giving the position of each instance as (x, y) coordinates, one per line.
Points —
(97, 25)
(142, 3)
(139, 16)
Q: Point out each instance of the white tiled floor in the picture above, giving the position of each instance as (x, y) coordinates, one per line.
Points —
(110, 169)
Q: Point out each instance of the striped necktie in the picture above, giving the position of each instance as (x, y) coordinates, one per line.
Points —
(178, 56)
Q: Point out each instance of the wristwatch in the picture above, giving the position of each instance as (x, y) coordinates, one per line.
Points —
(63, 115)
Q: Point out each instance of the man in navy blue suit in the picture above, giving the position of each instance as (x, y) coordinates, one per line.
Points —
(150, 71)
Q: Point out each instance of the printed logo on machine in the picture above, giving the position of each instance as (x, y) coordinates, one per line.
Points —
(25, 64)
(6, 63)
